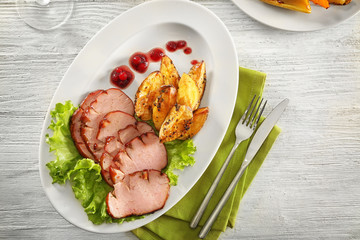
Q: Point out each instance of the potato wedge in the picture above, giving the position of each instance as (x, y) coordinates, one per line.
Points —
(169, 72)
(296, 5)
(188, 92)
(176, 124)
(163, 104)
(146, 95)
(198, 74)
(199, 118)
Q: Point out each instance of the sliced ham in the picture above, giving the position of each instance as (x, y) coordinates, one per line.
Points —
(75, 124)
(107, 101)
(106, 162)
(132, 131)
(116, 175)
(112, 123)
(138, 193)
(113, 146)
(144, 152)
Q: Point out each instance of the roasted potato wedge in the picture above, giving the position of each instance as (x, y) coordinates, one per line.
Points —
(188, 93)
(199, 118)
(146, 95)
(176, 124)
(198, 74)
(163, 104)
(297, 5)
(169, 72)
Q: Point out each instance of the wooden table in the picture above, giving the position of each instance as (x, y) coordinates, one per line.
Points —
(308, 187)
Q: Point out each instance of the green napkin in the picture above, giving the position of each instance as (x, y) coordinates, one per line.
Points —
(175, 223)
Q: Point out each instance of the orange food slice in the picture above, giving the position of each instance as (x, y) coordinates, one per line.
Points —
(323, 3)
(297, 5)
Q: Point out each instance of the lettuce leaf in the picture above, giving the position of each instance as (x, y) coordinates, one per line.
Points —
(91, 190)
(85, 175)
(61, 143)
(179, 156)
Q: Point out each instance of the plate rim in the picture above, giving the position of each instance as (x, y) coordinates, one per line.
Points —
(47, 118)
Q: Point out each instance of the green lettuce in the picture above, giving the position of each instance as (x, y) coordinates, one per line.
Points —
(61, 143)
(179, 156)
(91, 190)
(84, 174)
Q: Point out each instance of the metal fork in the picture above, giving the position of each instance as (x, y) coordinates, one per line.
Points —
(243, 131)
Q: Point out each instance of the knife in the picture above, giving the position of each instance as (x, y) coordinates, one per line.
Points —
(258, 139)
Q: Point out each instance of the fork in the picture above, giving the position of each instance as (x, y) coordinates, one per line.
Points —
(245, 128)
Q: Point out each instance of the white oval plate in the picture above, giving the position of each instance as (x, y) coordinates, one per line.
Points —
(285, 19)
(142, 28)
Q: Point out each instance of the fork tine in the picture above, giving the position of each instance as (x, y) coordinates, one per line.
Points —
(261, 112)
(252, 110)
(243, 117)
(252, 122)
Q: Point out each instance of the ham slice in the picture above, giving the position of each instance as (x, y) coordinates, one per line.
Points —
(132, 131)
(113, 146)
(138, 193)
(75, 124)
(112, 123)
(107, 101)
(106, 162)
(144, 152)
(109, 164)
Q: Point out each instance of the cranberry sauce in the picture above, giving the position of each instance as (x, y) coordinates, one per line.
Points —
(122, 76)
(156, 54)
(139, 62)
(172, 46)
(187, 50)
(194, 62)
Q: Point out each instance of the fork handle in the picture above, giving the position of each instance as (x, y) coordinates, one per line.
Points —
(207, 226)
(196, 219)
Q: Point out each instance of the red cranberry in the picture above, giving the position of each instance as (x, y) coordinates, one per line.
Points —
(171, 46)
(142, 67)
(181, 44)
(194, 62)
(136, 59)
(187, 50)
(156, 54)
(139, 62)
(123, 76)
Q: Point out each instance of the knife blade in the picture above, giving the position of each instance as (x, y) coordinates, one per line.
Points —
(256, 143)
(264, 129)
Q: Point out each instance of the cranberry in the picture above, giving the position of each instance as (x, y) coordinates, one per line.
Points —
(142, 67)
(139, 62)
(114, 75)
(136, 59)
(156, 54)
(171, 46)
(187, 50)
(194, 62)
(181, 44)
(123, 76)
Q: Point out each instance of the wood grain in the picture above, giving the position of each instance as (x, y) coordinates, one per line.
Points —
(308, 187)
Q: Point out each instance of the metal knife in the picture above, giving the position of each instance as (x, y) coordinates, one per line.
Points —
(258, 139)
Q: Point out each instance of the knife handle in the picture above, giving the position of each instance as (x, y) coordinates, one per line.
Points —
(196, 219)
(207, 226)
